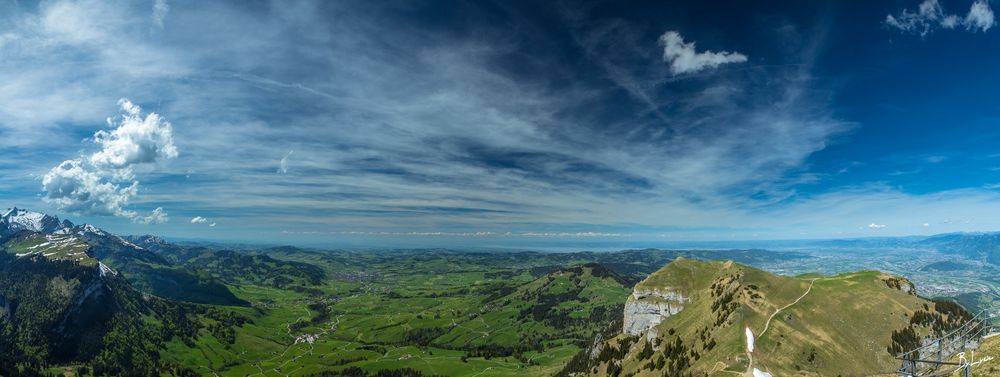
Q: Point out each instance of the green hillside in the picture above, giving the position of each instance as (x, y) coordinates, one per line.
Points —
(64, 310)
(51, 246)
(437, 319)
(849, 324)
(570, 303)
(57, 311)
(985, 361)
(288, 311)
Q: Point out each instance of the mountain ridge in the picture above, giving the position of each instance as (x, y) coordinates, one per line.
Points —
(693, 318)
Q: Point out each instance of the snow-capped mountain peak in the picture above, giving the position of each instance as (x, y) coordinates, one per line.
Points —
(17, 219)
(87, 228)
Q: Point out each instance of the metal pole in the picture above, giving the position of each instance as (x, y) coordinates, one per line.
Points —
(939, 350)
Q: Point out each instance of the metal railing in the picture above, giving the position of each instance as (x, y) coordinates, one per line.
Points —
(933, 358)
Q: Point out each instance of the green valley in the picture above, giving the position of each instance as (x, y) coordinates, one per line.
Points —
(77, 301)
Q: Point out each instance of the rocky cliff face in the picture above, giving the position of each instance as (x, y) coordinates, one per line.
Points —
(899, 283)
(89, 295)
(645, 309)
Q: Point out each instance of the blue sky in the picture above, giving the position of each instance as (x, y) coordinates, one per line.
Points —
(421, 122)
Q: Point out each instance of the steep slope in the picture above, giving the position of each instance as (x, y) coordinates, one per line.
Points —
(113, 249)
(693, 318)
(984, 361)
(60, 304)
(145, 269)
(151, 272)
(63, 306)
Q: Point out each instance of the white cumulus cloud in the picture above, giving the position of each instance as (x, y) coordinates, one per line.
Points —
(876, 226)
(980, 17)
(930, 15)
(134, 140)
(203, 220)
(77, 187)
(103, 183)
(683, 58)
(158, 216)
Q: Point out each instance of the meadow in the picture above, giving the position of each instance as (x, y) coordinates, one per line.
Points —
(422, 312)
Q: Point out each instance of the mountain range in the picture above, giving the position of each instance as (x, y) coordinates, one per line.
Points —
(78, 300)
(72, 294)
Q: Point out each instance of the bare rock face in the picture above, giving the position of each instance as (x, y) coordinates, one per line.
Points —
(596, 347)
(899, 283)
(645, 309)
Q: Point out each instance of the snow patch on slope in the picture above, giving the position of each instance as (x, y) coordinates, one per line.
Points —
(105, 270)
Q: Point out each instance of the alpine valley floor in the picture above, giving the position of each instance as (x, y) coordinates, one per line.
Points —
(78, 301)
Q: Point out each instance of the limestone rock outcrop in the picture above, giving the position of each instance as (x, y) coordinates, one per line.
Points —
(645, 309)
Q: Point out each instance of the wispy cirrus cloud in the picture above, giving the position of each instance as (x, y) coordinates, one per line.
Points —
(423, 130)
(283, 164)
(465, 143)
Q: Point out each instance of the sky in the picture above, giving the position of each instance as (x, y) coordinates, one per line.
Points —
(494, 122)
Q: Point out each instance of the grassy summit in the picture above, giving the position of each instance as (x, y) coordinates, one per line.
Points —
(849, 324)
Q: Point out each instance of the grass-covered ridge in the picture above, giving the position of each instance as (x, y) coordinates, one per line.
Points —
(848, 324)
(51, 246)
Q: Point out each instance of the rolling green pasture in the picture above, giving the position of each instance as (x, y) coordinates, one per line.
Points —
(438, 314)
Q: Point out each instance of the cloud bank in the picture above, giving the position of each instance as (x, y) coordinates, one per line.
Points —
(103, 183)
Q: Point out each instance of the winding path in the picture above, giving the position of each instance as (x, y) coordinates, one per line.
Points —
(749, 372)
(768, 323)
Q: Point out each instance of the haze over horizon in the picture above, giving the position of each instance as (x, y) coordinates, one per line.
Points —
(502, 123)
